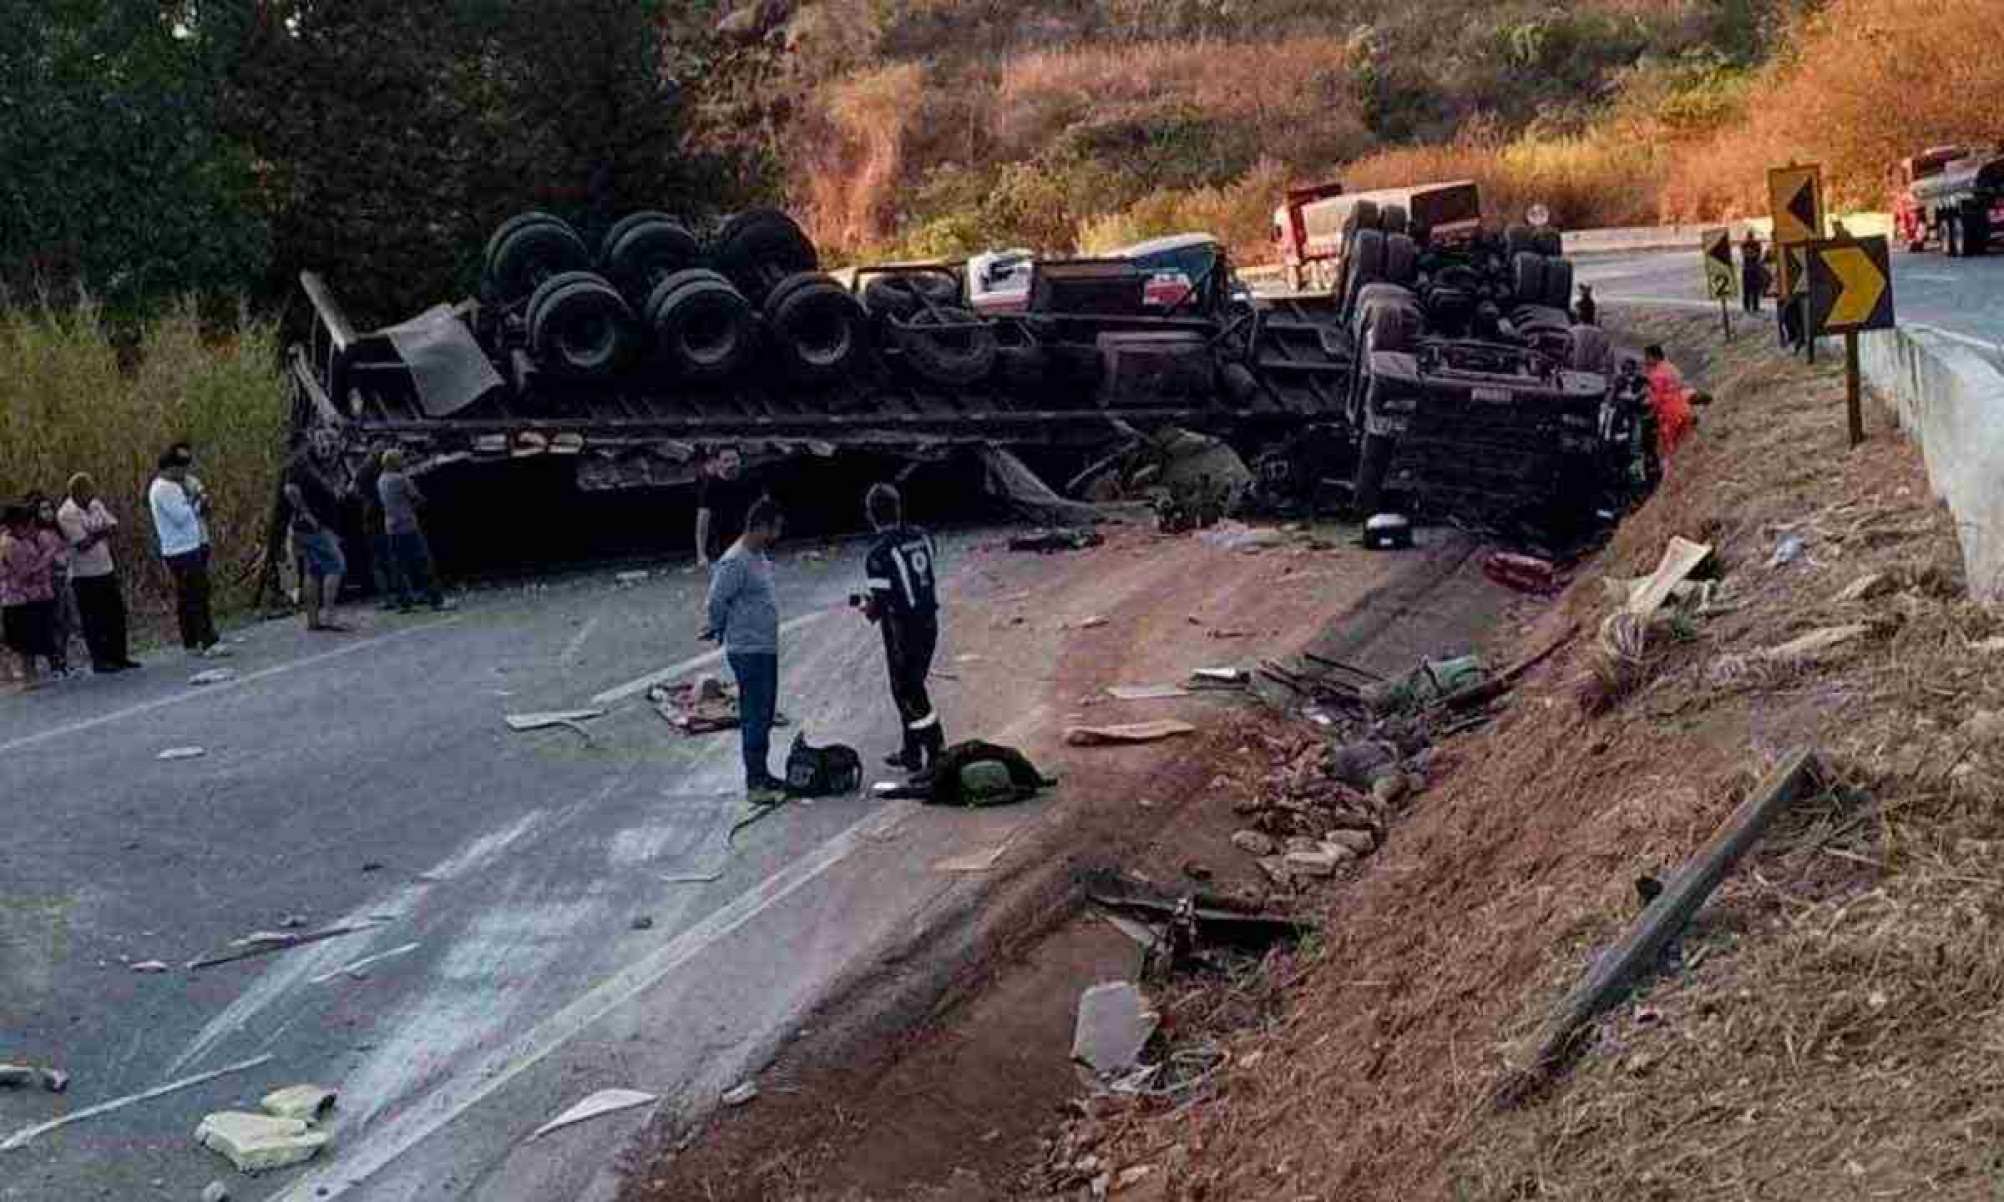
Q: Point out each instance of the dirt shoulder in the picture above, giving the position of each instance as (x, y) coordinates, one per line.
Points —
(1824, 1030)
(937, 1075)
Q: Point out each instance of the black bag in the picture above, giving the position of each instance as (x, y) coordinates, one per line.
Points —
(979, 774)
(822, 771)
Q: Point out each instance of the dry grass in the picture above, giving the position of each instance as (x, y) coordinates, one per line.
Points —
(1870, 82)
(1595, 179)
(1833, 1029)
(857, 152)
(1240, 214)
(70, 402)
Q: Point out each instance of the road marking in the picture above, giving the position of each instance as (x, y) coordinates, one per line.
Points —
(577, 642)
(1990, 348)
(644, 683)
(475, 1084)
(184, 696)
(363, 963)
(20, 1138)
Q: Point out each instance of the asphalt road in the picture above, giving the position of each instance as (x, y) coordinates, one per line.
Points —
(370, 776)
(1963, 298)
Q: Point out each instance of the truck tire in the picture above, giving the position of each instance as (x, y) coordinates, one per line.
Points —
(1393, 219)
(821, 330)
(1591, 349)
(904, 295)
(702, 325)
(1518, 239)
(1559, 284)
(583, 326)
(776, 296)
(1548, 243)
(1374, 463)
(536, 248)
(759, 248)
(1363, 215)
(948, 357)
(1401, 260)
(1951, 235)
(1527, 277)
(650, 248)
(1365, 264)
(549, 287)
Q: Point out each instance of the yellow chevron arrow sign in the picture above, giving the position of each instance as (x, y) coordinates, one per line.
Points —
(1862, 285)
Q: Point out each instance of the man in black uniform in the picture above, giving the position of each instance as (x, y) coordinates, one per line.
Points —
(904, 600)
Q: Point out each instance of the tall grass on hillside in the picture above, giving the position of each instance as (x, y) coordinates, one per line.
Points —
(858, 152)
(71, 400)
(1590, 179)
(1868, 82)
(1240, 214)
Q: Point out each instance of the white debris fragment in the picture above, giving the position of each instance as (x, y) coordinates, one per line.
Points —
(630, 578)
(605, 1101)
(552, 718)
(1114, 1024)
(182, 753)
(307, 1103)
(256, 1143)
(213, 676)
(150, 966)
(741, 1093)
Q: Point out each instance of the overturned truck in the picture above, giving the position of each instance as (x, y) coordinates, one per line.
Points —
(617, 369)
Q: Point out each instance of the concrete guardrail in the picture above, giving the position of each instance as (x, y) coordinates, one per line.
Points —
(1685, 237)
(1950, 399)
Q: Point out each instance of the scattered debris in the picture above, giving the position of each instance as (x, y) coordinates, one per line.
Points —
(642, 923)
(1132, 732)
(256, 1143)
(292, 922)
(1431, 681)
(1145, 934)
(150, 966)
(1680, 558)
(1237, 536)
(1045, 540)
(1615, 970)
(1202, 917)
(1525, 573)
(624, 579)
(1146, 692)
(739, 1094)
(1810, 645)
(1203, 678)
(182, 753)
(213, 676)
(1114, 1024)
(1787, 551)
(307, 1103)
(355, 972)
(21, 1138)
(1089, 623)
(569, 719)
(604, 1102)
(1253, 843)
(259, 943)
(1388, 532)
(215, 1191)
(21, 1076)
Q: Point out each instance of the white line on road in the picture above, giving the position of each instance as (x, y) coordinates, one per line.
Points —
(634, 687)
(182, 697)
(20, 1138)
(481, 1080)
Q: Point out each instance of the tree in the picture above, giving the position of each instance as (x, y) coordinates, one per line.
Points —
(117, 176)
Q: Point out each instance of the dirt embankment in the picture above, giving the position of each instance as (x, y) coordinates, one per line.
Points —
(1829, 1027)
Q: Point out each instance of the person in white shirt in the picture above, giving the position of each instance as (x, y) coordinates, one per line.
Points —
(179, 507)
(87, 525)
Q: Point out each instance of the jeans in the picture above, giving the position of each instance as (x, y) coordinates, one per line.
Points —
(758, 694)
(411, 573)
(102, 608)
(190, 570)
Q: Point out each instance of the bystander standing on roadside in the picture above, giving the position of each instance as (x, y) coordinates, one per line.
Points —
(87, 526)
(903, 600)
(721, 501)
(1753, 273)
(1671, 400)
(1586, 309)
(27, 592)
(179, 507)
(382, 562)
(410, 553)
(68, 625)
(314, 516)
(742, 611)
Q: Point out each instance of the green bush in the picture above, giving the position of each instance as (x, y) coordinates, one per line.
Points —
(74, 398)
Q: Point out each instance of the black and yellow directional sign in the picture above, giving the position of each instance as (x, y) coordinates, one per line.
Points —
(1718, 255)
(1795, 197)
(1850, 285)
(1794, 273)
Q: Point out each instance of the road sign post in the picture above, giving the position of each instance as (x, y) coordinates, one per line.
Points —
(1850, 291)
(1795, 200)
(1717, 246)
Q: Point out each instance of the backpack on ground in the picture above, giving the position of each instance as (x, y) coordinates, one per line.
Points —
(977, 774)
(822, 771)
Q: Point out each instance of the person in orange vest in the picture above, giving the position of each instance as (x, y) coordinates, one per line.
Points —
(1670, 400)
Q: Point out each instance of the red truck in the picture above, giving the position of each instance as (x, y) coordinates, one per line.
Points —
(1311, 223)
(1950, 196)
